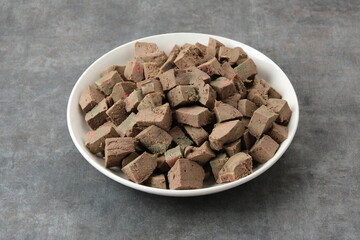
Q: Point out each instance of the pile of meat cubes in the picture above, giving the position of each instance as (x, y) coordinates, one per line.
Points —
(172, 121)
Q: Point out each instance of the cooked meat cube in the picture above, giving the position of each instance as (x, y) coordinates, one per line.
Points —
(201, 154)
(161, 164)
(156, 181)
(229, 72)
(89, 98)
(119, 68)
(170, 61)
(140, 168)
(261, 121)
(217, 163)
(213, 47)
(187, 57)
(129, 158)
(186, 174)
(97, 116)
(224, 112)
(117, 113)
(133, 100)
(151, 70)
(207, 96)
(246, 69)
(159, 116)
(225, 132)
(134, 71)
(197, 134)
(279, 133)
(202, 47)
(180, 138)
(245, 121)
(168, 80)
(246, 107)
(256, 97)
(172, 155)
(212, 67)
(144, 48)
(107, 82)
(248, 140)
(280, 107)
(122, 90)
(194, 116)
(192, 75)
(128, 127)
(238, 166)
(116, 149)
(182, 95)
(151, 100)
(264, 149)
(233, 148)
(224, 87)
(95, 140)
(233, 100)
(150, 86)
(155, 139)
(231, 54)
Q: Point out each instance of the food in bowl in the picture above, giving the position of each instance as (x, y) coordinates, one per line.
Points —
(173, 121)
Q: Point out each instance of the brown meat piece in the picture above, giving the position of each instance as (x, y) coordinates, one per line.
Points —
(150, 86)
(117, 113)
(248, 140)
(128, 127)
(151, 100)
(212, 67)
(201, 47)
(151, 70)
(246, 107)
(280, 107)
(97, 116)
(246, 69)
(140, 168)
(172, 155)
(240, 86)
(182, 95)
(156, 181)
(225, 112)
(224, 87)
(279, 133)
(155, 139)
(264, 149)
(143, 48)
(233, 148)
(133, 100)
(134, 71)
(256, 97)
(129, 158)
(119, 68)
(197, 134)
(207, 96)
(213, 47)
(89, 98)
(231, 54)
(194, 116)
(217, 163)
(186, 174)
(238, 166)
(261, 121)
(170, 61)
(107, 82)
(229, 72)
(159, 116)
(168, 80)
(180, 138)
(116, 149)
(225, 132)
(245, 121)
(201, 154)
(122, 90)
(161, 164)
(192, 75)
(232, 100)
(187, 57)
(95, 140)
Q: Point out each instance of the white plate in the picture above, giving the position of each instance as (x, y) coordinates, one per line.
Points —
(266, 67)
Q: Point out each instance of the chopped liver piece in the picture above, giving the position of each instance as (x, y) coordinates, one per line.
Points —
(133, 100)
(240, 86)
(212, 67)
(150, 86)
(156, 181)
(95, 140)
(224, 112)
(271, 92)
(170, 61)
(246, 107)
(224, 87)
(134, 71)
(140, 168)
(256, 97)
(225, 132)
(207, 96)
(229, 72)
(119, 68)
(202, 47)
(279, 133)
(168, 80)
(197, 134)
(155, 139)
(248, 140)
(182, 95)
(143, 48)
(129, 158)
(89, 98)
(261, 121)
(187, 57)
(191, 75)
(213, 47)
(233, 148)
(233, 100)
(161, 164)
(246, 69)
(172, 155)
(151, 100)
(194, 116)
(107, 82)
(245, 121)
(217, 163)
(159, 116)
(97, 116)
(231, 54)
(151, 70)
(122, 90)
(280, 107)
(264, 149)
(157, 57)
(180, 138)
(238, 166)
(201, 154)
(116, 149)
(117, 113)
(128, 127)
(186, 174)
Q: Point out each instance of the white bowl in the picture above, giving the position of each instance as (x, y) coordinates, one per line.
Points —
(266, 67)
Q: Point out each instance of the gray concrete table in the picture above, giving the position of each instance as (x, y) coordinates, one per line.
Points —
(47, 189)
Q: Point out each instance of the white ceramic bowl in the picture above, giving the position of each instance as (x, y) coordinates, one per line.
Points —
(266, 67)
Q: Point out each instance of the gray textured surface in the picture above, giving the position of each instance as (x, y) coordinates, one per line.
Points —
(48, 191)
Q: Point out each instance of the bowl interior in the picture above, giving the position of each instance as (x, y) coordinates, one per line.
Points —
(267, 69)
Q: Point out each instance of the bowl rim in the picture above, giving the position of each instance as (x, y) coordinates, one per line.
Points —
(181, 193)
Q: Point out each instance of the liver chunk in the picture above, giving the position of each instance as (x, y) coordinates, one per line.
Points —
(246, 69)
(155, 139)
(213, 47)
(97, 116)
(238, 166)
(256, 97)
(225, 132)
(192, 75)
(168, 80)
(151, 70)
(197, 134)
(161, 164)
(231, 54)
(117, 113)
(129, 158)
(182, 95)
(264, 149)
(95, 140)
(280, 107)
(261, 121)
(186, 174)
(128, 127)
(229, 72)
(140, 168)
(233, 148)
(122, 90)
(116, 149)
(150, 86)
(224, 112)
(248, 140)
(159, 116)
(143, 48)
(89, 98)
(194, 116)
(212, 67)
(156, 181)
(134, 71)
(107, 82)
(233, 100)
(279, 133)
(201, 154)
(151, 100)
(170, 61)
(217, 163)
(224, 87)
(246, 107)
(180, 138)
(188, 57)
(133, 100)
(172, 155)
(120, 69)
(207, 96)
